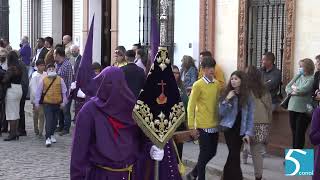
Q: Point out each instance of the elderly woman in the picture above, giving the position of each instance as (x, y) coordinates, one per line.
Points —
(300, 88)
(189, 73)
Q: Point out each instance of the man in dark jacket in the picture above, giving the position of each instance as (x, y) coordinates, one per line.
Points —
(25, 88)
(134, 75)
(2, 99)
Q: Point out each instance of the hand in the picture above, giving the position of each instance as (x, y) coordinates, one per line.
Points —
(195, 134)
(230, 95)
(294, 87)
(62, 106)
(156, 153)
(268, 81)
(73, 85)
(80, 94)
(246, 139)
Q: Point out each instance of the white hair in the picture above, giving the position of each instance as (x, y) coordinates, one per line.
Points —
(75, 47)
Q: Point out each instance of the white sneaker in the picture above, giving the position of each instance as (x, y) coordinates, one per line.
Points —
(53, 139)
(48, 142)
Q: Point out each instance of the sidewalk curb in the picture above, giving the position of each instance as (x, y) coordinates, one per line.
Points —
(211, 169)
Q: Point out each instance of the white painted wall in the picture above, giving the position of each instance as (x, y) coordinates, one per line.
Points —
(307, 39)
(77, 23)
(226, 34)
(14, 23)
(95, 8)
(186, 30)
(128, 24)
(57, 21)
(46, 18)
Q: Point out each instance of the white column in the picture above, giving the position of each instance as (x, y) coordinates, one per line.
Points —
(128, 23)
(57, 21)
(15, 23)
(186, 30)
(95, 8)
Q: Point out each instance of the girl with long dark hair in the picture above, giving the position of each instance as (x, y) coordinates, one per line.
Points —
(236, 113)
(262, 119)
(13, 78)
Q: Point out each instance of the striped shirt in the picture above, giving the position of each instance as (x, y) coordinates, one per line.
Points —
(65, 71)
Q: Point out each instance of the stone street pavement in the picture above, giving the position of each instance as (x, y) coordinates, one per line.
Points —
(29, 159)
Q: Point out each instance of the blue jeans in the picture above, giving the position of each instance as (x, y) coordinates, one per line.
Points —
(51, 113)
(67, 116)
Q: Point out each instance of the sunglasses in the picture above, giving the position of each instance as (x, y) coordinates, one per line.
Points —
(118, 52)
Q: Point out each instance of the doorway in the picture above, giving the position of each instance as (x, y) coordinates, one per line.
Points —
(106, 34)
(67, 9)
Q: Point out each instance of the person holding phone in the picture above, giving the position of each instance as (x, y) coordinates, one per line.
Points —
(236, 111)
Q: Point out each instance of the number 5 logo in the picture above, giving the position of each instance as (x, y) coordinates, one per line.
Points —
(295, 161)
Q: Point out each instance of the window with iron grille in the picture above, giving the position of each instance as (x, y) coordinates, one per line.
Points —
(4, 22)
(266, 30)
(150, 8)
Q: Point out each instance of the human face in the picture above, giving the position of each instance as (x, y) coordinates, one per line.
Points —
(41, 67)
(135, 48)
(266, 63)
(3, 56)
(137, 56)
(301, 69)
(40, 44)
(176, 74)
(235, 81)
(97, 71)
(75, 52)
(118, 56)
(51, 69)
(201, 57)
(65, 40)
(47, 44)
(208, 72)
(56, 57)
(317, 64)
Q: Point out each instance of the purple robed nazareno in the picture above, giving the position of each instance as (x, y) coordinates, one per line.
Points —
(105, 132)
(315, 140)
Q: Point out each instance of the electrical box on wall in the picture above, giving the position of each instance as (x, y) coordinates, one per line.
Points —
(190, 45)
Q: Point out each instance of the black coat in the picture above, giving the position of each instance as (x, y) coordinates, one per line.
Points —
(135, 77)
(43, 53)
(76, 65)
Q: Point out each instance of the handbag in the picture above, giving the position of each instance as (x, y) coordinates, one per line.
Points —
(181, 166)
(44, 94)
(284, 104)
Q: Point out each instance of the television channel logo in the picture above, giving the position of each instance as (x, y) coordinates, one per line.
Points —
(299, 162)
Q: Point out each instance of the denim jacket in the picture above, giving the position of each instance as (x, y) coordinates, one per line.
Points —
(190, 77)
(228, 111)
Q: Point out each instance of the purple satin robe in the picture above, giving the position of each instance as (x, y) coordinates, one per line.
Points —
(95, 143)
(315, 140)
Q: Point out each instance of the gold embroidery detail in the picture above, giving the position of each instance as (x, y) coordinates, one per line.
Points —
(159, 129)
